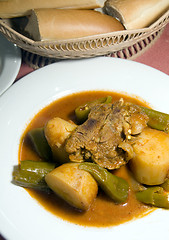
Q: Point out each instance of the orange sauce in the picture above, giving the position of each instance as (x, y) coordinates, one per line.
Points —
(103, 212)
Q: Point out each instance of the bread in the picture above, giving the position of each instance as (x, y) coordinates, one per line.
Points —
(60, 24)
(135, 14)
(18, 8)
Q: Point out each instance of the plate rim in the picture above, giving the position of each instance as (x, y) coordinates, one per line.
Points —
(12, 59)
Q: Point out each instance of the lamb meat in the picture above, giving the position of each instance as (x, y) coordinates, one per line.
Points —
(105, 137)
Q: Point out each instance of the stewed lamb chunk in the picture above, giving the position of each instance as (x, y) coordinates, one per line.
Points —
(106, 137)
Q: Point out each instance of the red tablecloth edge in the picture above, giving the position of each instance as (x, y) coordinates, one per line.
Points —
(157, 56)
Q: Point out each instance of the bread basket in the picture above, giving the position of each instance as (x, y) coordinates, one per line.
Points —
(123, 44)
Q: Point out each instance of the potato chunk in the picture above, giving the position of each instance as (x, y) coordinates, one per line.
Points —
(57, 130)
(150, 164)
(75, 186)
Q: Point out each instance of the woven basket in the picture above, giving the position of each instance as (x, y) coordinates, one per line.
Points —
(125, 43)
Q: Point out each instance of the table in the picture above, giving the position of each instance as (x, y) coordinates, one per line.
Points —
(157, 56)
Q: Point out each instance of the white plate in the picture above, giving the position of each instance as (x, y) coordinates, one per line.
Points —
(10, 61)
(21, 217)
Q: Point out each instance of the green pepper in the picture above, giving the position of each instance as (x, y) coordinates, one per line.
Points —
(157, 120)
(165, 185)
(154, 196)
(32, 174)
(41, 168)
(115, 187)
(82, 111)
(40, 143)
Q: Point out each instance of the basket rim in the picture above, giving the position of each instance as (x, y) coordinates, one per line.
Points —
(84, 47)
(159, 23)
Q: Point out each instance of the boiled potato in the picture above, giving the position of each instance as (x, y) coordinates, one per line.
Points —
(150, 163)
(75, 186)
(56, 131)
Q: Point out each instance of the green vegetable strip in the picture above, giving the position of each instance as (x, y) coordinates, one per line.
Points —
(165, 185)
(82, 112)
(41, 168)
(40, 143)
(154, 196)
(157, 120)
(32, 174)
(115, 187)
